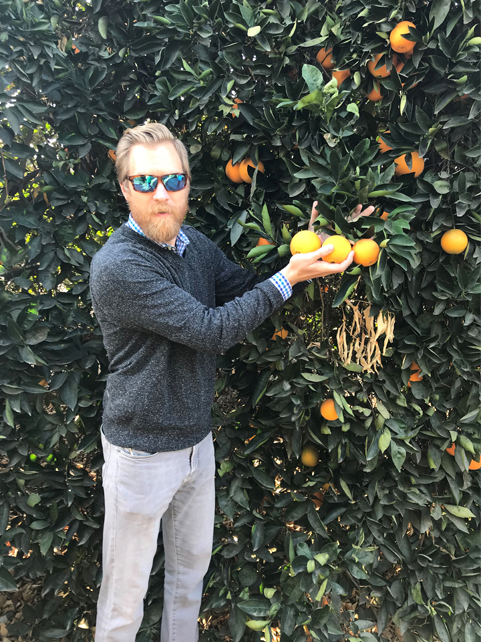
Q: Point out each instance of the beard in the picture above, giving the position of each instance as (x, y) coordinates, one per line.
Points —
(161, 229)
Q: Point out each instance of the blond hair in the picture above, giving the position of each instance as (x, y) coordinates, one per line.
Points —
(150, 135)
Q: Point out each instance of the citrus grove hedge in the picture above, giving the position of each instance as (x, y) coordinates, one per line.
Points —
(325, 529)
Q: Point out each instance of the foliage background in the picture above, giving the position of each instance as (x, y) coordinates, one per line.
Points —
(396, 538)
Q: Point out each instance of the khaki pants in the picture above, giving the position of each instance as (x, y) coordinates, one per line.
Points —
(141, 489)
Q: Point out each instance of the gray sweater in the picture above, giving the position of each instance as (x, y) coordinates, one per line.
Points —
(164, 318)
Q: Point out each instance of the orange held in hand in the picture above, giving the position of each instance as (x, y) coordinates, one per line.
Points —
(402, 167)
(397, 39)
(341, 250)
(249, 163)
(233, 172)
(324, 58)
(328, 410)
(366, 252)
(304, 242)
(454, 241)
(310, 456)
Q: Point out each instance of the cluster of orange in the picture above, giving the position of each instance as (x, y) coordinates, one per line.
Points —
(238, 173)
(475, 464)
(398, 43)
(366, 251)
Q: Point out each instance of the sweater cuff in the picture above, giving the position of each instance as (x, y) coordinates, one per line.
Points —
(282, 284)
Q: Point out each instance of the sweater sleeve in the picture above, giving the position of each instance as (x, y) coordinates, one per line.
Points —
(146, 300)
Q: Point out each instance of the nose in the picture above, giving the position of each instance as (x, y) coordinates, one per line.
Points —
(160, 192)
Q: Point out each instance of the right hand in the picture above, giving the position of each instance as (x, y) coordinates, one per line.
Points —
(306, 266)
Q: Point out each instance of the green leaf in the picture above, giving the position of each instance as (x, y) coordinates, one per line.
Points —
(253, 31)
(266, 220)
(439, 11)
(7, 583)
(257, 625)
(459, 511)
(103, 26)
(384, 440)
(345, 487)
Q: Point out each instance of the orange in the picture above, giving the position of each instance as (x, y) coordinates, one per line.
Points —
(454, 241)
(112, 155)
(375, 94)
(381, 72)
(342, 247)
(402, 167)
(319, 499)
(237, 101)
(324, 58)
(341, 75)
(366, 252)
(233, 172)
(383, 147)
(244, 174)
(305, 241)
(475, 463)
(75, 49)
(415, 375)
(384, 216)
(310, 456)
(328, 410)
(280, 333)
(263, 241)
(397, 39)
(451, 450)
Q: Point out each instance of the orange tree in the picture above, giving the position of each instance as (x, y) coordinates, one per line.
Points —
(373, 526)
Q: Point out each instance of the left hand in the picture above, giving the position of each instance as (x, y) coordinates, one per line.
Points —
(355, 214)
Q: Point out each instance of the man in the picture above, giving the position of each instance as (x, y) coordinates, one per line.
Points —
(167, 301)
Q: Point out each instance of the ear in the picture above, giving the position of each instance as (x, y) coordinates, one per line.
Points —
(125, 187)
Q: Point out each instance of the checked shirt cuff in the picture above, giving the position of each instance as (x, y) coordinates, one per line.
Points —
(282, 284)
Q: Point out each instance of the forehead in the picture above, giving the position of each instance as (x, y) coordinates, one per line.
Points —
(158, 160)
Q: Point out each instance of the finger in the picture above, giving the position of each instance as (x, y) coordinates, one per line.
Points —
(345, 264)
(367, 212)
(314, 215)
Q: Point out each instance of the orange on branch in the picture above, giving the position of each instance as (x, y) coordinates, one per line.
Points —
(263, 241)
(342, 247)
(402, 167)
(112, 155)
(475, 463)
(280, 333)
(328, 410)
(318, 498)
(237, 102)
(324, 58)
(233, 172)
(375, 94)
(383, 147)
(380, 72)
(366, 252)
(398, 42)
(341, 75)
(415, 375)
(248, 162)
(310, 456)
(304, 242)
(454, 241)
(384, 215)
(451, 449)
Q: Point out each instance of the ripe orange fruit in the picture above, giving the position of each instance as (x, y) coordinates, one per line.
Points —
(310, 456)
(75, 49)
(263, 241)
(342, 247)
(244, 174)
(402, 167)
(383, 147)
(366, 252)
(319, 499)
(375, 94)
(237, 101)
(475, 463)
(112, 155)
(381, 72)
(233, 172)
(324, 58)
(328, 410)
(397, 39)
(384, 216)
(415, 375)
(305, 241)
(454, 241)
(451, 450)
(280, 333)
(341, 75)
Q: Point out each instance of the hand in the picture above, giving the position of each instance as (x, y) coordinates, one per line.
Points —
(355, 214)
(306, 266)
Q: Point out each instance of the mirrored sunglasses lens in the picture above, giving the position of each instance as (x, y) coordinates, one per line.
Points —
(145, 183)
(175, 182)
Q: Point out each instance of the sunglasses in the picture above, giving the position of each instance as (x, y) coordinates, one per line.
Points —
(171, 182)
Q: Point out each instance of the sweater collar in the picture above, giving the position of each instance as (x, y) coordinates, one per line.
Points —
(181, 241)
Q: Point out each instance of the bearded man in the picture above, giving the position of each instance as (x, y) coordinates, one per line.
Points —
(168, 301)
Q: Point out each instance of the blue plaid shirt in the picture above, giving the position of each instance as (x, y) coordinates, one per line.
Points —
(181, 242)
